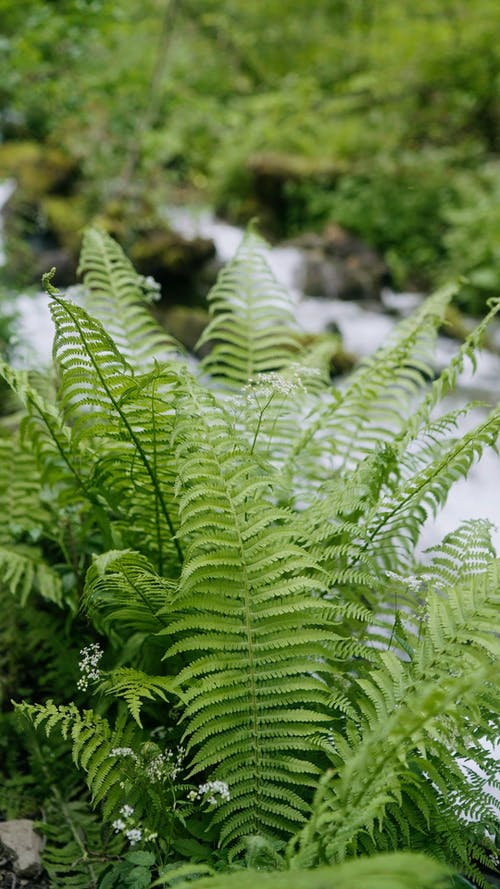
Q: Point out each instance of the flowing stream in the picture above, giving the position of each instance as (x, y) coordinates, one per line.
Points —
(363, 330)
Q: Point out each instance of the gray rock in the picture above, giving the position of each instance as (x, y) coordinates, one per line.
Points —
(22, 845)
(338, 265)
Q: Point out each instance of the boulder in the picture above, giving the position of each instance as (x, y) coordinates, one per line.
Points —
(269, 187)
(338, 265)
(174, 261)
(22, 845)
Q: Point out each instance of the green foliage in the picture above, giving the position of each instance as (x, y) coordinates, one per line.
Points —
(398, 102)
(397, 203)
(401, 871)
(76, 850)
(473, 236)
(284, 685)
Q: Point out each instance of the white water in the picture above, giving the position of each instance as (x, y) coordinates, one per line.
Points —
(362, 329)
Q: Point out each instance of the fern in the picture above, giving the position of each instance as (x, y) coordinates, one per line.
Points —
(75, 852)
(115, 295)
(253, 537)
(237, 627)
(409, 729)
(252, 319)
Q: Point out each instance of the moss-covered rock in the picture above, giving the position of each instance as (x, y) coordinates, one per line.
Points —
(338, 265)
(64, 219)
(270, 186)
(338, 360)
(174, 261)
(37, 169)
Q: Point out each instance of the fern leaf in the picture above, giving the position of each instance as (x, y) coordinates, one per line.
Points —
(252, 319)
(114, 294)
(245, 590)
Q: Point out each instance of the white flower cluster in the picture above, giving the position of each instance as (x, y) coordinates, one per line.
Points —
(165, 765)
(89, 665)
(133, 834)
(274, 383)
(124, 751)
(210, 791)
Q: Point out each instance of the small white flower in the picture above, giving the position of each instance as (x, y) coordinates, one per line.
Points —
(413, 583)
(214, 788)
(127, 811)
(118, 825)
(155, 770)
(124, 751)
(90, 657)
(134, 835)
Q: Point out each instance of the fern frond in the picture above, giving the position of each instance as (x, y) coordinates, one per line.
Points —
(247, 621)
(114, 294)
(123, 590)
(75, 853)
(101, 396)
(252, 319)
(50, 439)
(24, 570)
(395, 523)
(380, 394)
(415, 717)
(447, 379)
(93, 741)
(461, 555)
(135, 687)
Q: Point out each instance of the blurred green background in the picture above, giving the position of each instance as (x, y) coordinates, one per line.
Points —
(380, 115)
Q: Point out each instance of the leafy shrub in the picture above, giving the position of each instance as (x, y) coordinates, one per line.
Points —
(278, 682)
(397, 205)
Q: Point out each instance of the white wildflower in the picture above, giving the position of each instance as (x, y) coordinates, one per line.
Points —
(118, 825)
(275, 383)
(212, 789)
(127, 811)
(134, 835)
(155, 769)
(166, 764)
(90, 657)
(151, 288)
(124, 751)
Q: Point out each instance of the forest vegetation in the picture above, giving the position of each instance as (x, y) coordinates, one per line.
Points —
(224, 659)
(383, 117)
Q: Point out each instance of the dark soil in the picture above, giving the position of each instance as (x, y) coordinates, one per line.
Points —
(10, 880)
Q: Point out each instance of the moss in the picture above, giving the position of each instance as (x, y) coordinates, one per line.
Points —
(38, 169)
(65, 218)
